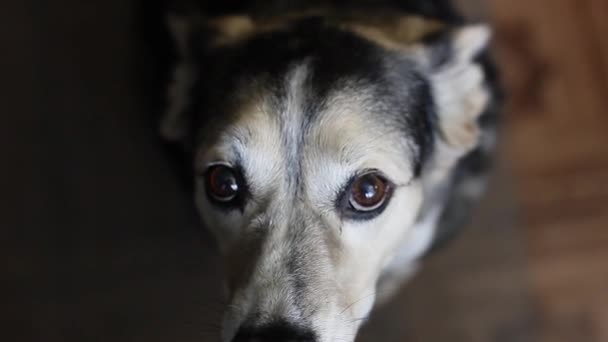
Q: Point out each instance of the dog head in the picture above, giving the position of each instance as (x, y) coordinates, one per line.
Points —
(316, 143)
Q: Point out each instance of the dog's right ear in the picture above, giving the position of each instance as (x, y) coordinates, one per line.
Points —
(176, 120)
(207, 33)
(458, 83)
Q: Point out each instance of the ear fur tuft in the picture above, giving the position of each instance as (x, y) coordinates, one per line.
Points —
(470, 40)
(459, 88)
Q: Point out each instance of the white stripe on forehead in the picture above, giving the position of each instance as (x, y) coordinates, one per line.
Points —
(267, 135)
(278, 148)
(292, 119)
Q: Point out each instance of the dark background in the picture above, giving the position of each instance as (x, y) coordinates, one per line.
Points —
(100, 241)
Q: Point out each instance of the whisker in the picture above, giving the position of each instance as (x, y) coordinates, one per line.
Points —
(357, 301)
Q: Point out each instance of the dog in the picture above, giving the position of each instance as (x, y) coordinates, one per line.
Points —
(333, 144)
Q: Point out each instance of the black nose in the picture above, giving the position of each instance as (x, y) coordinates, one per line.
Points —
(276, 332)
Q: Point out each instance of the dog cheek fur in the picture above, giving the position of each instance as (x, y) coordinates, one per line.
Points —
(370, 246)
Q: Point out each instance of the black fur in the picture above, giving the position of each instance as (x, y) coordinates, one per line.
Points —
(276, 332)
(438, 9)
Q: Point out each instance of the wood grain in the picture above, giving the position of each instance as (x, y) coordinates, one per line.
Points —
(558, 145)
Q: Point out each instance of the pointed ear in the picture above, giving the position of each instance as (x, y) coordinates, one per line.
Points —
(208, 33)
(458, 84)
(176, 119)
(447, 57)
(460, 93)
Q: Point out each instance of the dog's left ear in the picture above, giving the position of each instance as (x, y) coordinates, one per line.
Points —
(458, 83)
(458, 86)
(460, 92)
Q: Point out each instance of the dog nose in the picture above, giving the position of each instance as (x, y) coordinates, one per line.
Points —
(276, 332)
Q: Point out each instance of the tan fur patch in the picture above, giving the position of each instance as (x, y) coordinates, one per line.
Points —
(232, 28)
(395, 33)
(388, 30)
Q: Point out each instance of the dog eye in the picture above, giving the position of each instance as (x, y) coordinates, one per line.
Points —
(222, 184)
(365, 197)
(368, 192)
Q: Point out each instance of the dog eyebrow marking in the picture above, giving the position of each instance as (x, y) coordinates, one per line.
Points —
(293, 120)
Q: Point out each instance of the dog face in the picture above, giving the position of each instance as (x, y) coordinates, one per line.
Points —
(315, 147)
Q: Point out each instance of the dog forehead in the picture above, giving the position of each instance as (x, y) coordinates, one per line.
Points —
(355, 125)
(347, 118)
(337, 95)
(298, 134)
(334, 54)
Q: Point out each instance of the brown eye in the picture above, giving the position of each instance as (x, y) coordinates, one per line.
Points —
(368, 192)
(222, 183)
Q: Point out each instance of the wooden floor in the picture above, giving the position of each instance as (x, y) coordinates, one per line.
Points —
(554, 56)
